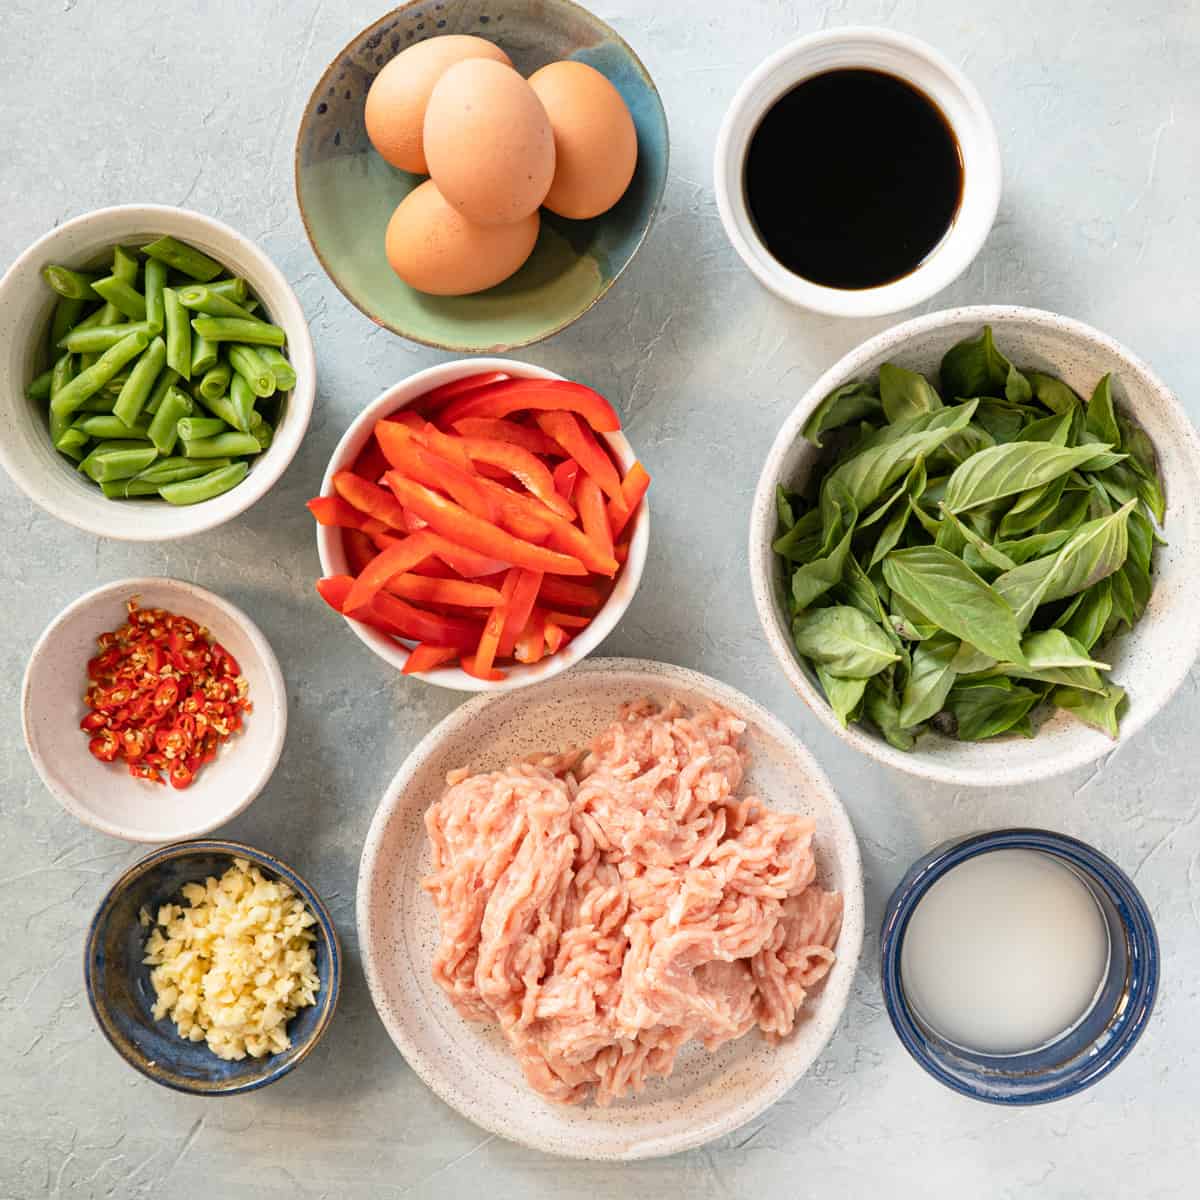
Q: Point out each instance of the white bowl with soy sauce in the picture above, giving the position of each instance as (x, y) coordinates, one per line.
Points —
(857, 172)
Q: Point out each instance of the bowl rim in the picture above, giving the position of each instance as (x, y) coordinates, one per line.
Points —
(277, 867)
(198, 518)
(849, 951)
(920, 763)
(277, 701)
(474, 348)
(629, 578)
(945, 262)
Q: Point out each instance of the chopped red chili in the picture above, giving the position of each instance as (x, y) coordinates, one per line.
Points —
(162, 696)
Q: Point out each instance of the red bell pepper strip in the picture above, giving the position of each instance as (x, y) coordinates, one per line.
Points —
(464, 487)
(423, 657)
(568, 620)
(566, 593)
(408, 417)
(463, 562)
(334, 589)
(440, 395)
(523, 466)
(519, 610)
(500, 430)
(531, 645)
(514, 395)
(556, 637)
(370, 463)
(395, 560)
(566, 477)
(445, 444)
(413, 523)
(480, 664)
(424, 589)
(469, 664)
(580, 443)
(633, 489)
(621, 552)
(594, 516)
(359, 548)
(463, 528)
(333, 510)
(369, 498)
(412, 622)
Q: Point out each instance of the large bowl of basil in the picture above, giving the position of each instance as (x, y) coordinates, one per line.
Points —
(972, 543)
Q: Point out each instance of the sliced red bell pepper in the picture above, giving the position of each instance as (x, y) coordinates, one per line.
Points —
(480, 664)
(408, 417)
(531, 645)
(471, 666)
(463, 562)
(568, 620)
(423, 657)
(413, 523)
(566, 477)
(370, 463)
(594, 516)
(439, 395)
(333, 510)
(369, 498)
(424, 589)
(519, 610)
(500, 430)
(566, 593)
(412, 622)
(580, 443)
(621, 552)
(523, 466)
(395, 560)
(334, 589)
(448, 445)
(515, 395)
(359, 548)
(463, 528)
(414, 460)
(633, 489)
(556, 637)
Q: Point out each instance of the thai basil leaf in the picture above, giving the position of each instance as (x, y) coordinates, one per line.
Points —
(1031, 508)
(908, 487)
(1101, 712)
(859, 591)
(844, 641)
(1094, 551)
(1069, 513)
(930, 680)
(785, 508)
(953, 597)
(1151, 494)
(812, 580)
(983, 708)
(1009, 470)
(1035, 545)
(850, 402)
(914, 485)
(974, 367)
(905, 394)
(844, 695)
(1054, 657)
(928, 523)
(1053, 393)
(957, 449)
(883, 710)
(1143, 461)
(1120, 482)
(838, 509)
(1101, 416)
(1017, 387)
(803, 541)
(1086, 620)
(1054, 429)
(987, 552)
(1004, 422)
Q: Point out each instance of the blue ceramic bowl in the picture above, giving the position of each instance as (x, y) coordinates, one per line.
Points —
(122, 997)
(347, 193)
(1086, 1053)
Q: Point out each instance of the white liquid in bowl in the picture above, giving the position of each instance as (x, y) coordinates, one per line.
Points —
(1005, 953)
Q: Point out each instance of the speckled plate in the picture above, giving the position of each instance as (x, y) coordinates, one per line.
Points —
(347, 193)
(469, 1065)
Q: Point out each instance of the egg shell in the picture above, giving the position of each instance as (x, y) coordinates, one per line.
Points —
(595, 141)
(396, 101)
(488, 142)
(434, 249)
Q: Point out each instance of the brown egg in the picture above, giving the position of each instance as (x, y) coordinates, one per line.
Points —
(395, 111)
(434, 249)
(488, 142)
(595, 143)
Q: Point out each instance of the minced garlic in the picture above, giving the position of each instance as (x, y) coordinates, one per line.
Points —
(235, 965)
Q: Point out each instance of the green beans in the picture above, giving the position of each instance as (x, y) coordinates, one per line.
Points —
(124, 297)
(61, 374)
(183, 257)
(175, 470)
(191, 429)
(223, 407)
(72, 443)
(284, 372)
(242, 400)
(216, 381)
(141, 381)
(164, 427)
(156, 280)
(224, 445)
(106, 425)
(66, 317)
(204, 356)
(202, 299)
(88, 382)
(193, 491)
(39, 389)
(261, 431)
(103, 401)
(70, 284)
(163, 384)
(98, 338)
(124, 265)
(110, 461)
(235, 329)
(232, 289)
(251, 367)
(179, 334)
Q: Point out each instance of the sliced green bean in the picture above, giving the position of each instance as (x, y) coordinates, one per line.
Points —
(201, 298)
(175, 470)
(252, 306)
(69, 283)
(107, 425)
(262, 431)
(223, 407)
(216, 381)
(182, 257)
(90, 381)
(224, 445)
(117, 382)
(155, 281)
(61, 374)
(102, 401)
(163, 384)
(250, 330)
(108, 461)
(164, 428)
(124, 297)
(232, 289)
(141, 382)
(93, 319)
(66, 317)
(98, 338)
(204, 356)
(191, 429)
(246, 361)
(125, 489)
(124, 265)
(243, 399)
(179, 334)
(72, 443)
(205, 487)
(284, 372)
(39, 389)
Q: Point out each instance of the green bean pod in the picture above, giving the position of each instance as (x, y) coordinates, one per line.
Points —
(124, 297)
(155, 281)
(69, 283)
(179, 334)
(98, 338)
(72, 443)
(223, 407)
(224, 445)
(39, 389)
(163, 384)
(61, 374)
(205, 487)
(243, 400)
(125, 489)
(192, 262)
(204, 356)
(141, 381)
(216, 381)
(262, 431)
(164, 427)
(175, 470)
(199, 297)
(251, 367)
(124, 265)
(234, 289)
(111, 460)
(250, 330)
(67, 313)
(107, 426)
(92, 319)
(284, 372)
(90, 381)
(191, 429)
(103, 401)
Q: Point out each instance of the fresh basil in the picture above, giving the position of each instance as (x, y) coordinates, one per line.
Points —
(1010, 469)
(1052, 393)
(984, 708)
(1101, 416)
(883, 710)
(974, 368)
(905, 394)
(844, 695)
(930, 680)
(1101, 712)
(850, 402)
(844, 641)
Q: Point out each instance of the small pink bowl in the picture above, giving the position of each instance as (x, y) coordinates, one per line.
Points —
(333, 555)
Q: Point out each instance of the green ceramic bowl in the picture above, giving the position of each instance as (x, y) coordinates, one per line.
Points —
(347, 192)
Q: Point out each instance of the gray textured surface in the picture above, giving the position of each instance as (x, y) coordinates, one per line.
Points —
(1098, 117)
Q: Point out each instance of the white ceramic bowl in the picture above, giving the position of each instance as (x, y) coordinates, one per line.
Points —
(1150, 663)
(926, 69)
(26, 305)
(105, 795)
(333, 555)
(469, 1065)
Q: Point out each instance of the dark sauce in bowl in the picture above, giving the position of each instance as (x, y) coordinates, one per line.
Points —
(852, 178)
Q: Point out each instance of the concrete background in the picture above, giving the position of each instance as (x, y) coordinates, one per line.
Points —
(107, 101)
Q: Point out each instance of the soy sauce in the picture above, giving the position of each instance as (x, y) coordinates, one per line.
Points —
(852, 178)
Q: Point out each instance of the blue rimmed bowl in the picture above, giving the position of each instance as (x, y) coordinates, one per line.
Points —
(121, 995)
(1085, 1053)
(347, 193)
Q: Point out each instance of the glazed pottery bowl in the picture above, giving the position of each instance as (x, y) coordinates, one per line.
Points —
(26, 304)
(468, 1064)
(122, 997)
(334, 561)
(104, 795)
(1149, 663)
(347, 193)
